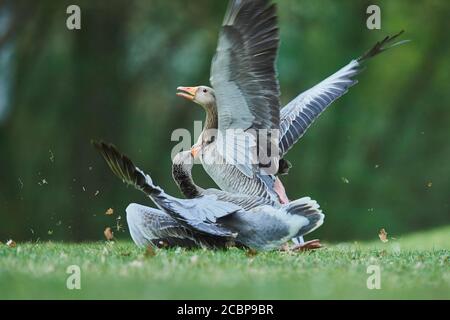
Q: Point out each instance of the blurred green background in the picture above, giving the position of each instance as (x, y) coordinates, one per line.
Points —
(378, 158)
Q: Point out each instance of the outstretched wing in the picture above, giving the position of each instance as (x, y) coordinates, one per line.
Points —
(300, 113)
(243, 72)
(200, 214)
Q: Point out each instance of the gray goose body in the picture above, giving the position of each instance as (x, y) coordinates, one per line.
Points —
(246, 96)
(229, 178)
(181, 173)
(213, 214)
(263, 223)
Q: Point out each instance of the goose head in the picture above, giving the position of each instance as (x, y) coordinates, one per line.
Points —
(204, 96)
(201, 95)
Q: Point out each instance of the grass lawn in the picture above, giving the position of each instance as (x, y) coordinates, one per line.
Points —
(414, 266)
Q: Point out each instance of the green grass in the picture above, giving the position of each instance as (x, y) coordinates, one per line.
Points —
(414, 266)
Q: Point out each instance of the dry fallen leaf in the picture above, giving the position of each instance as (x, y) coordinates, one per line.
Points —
(109, 212)
(11, 243)
(109, 234)
(149, 252)
(383, 235)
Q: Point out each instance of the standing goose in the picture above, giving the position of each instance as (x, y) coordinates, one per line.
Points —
(255, 223)
(246, 96)
(245, 99)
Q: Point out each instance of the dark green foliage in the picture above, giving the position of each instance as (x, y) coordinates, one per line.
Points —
(379, 157)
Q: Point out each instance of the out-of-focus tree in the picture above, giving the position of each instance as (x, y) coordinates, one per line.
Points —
(377, 158)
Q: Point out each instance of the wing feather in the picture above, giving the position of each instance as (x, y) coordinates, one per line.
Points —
(243, 73)
(300, 113)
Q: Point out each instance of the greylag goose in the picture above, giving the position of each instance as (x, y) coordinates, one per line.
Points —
(246, 97)
(254, 223)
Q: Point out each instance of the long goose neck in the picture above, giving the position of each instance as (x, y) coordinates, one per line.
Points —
(183, 179)
(211, 121)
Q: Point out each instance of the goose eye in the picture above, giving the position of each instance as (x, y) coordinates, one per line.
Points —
(205, 91)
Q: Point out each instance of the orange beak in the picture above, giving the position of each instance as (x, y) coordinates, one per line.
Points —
(187, 92)
(195, 150)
